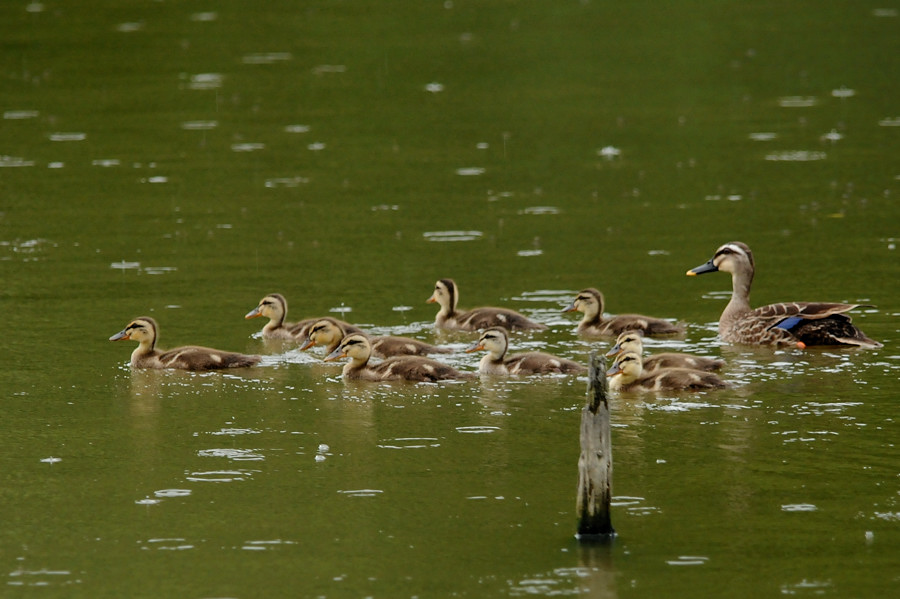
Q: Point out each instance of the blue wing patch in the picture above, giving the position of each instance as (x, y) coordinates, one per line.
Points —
(788, 323)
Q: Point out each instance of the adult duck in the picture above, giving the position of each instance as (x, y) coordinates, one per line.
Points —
(800, 324)
(495, 341)
(590, 302)
(145, 331)
(446, 295)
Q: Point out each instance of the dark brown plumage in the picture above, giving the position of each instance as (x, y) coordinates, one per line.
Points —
(446, 294)
(330, 333)
(591, 303)
(626, 374)
(632, 341)
(495, 341)
(274, 307)
(398, 368)
(800, 324)
(145, 331)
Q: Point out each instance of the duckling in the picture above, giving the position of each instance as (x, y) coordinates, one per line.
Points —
(274, 307)
(590, 302)
(397, 368)
(446, 294)
(632, 341)
(626, 374)
(800, 324)
(145, 331)
(495, 341)
(329, 332)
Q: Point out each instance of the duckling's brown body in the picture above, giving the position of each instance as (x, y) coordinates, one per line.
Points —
(274, 307)
(397, 368)
(495, 341)
(330, 333)
(626, 374)
(591, 302)
(446, 294)
(632, 341)
(800, 324)
(190, 357)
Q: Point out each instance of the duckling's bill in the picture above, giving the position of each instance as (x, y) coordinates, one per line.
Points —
(336, 355)
(121, 335)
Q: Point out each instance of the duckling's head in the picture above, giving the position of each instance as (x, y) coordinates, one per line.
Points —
(494, 340)
(356, 347)
(629, 341)
(588, 301)
(445, 294)
(733, 257)
(143, 330)
(273, 307)
(324, 332)
(627, 366)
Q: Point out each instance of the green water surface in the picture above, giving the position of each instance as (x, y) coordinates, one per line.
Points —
(183, 159)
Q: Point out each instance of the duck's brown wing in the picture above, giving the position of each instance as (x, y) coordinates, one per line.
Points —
(821, 324)
(415, 368)
(814, 323)
(676, 360)
(194, 357)
(542, 363)
(404, 346)
(485, 318)
(681, 379)
(648, 325)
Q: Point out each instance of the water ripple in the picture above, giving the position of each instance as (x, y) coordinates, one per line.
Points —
(409, 443)
(452, 235)
(221, 476)
(232, 454)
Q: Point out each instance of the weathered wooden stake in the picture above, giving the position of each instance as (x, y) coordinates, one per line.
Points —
(595, 462)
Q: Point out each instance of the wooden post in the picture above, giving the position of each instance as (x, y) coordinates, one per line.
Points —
(595, 462)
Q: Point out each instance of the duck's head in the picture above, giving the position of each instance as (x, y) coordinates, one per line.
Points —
(629, 341)
(273, 307)
(445, 294)
(628, 366)
(733, 257)
(143, 330)
(356, 347)
(494, 340)
(323, 332)
(588, 301)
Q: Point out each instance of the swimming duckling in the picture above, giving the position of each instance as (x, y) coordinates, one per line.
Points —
(626, 374)
(632, 341)
(329, 332)
(274, 307)
(145, 331)
(397, 368)
(446, 294)
(495, 341)
(800, 324)
(590, 302)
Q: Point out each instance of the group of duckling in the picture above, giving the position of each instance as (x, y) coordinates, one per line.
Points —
(798, 324)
